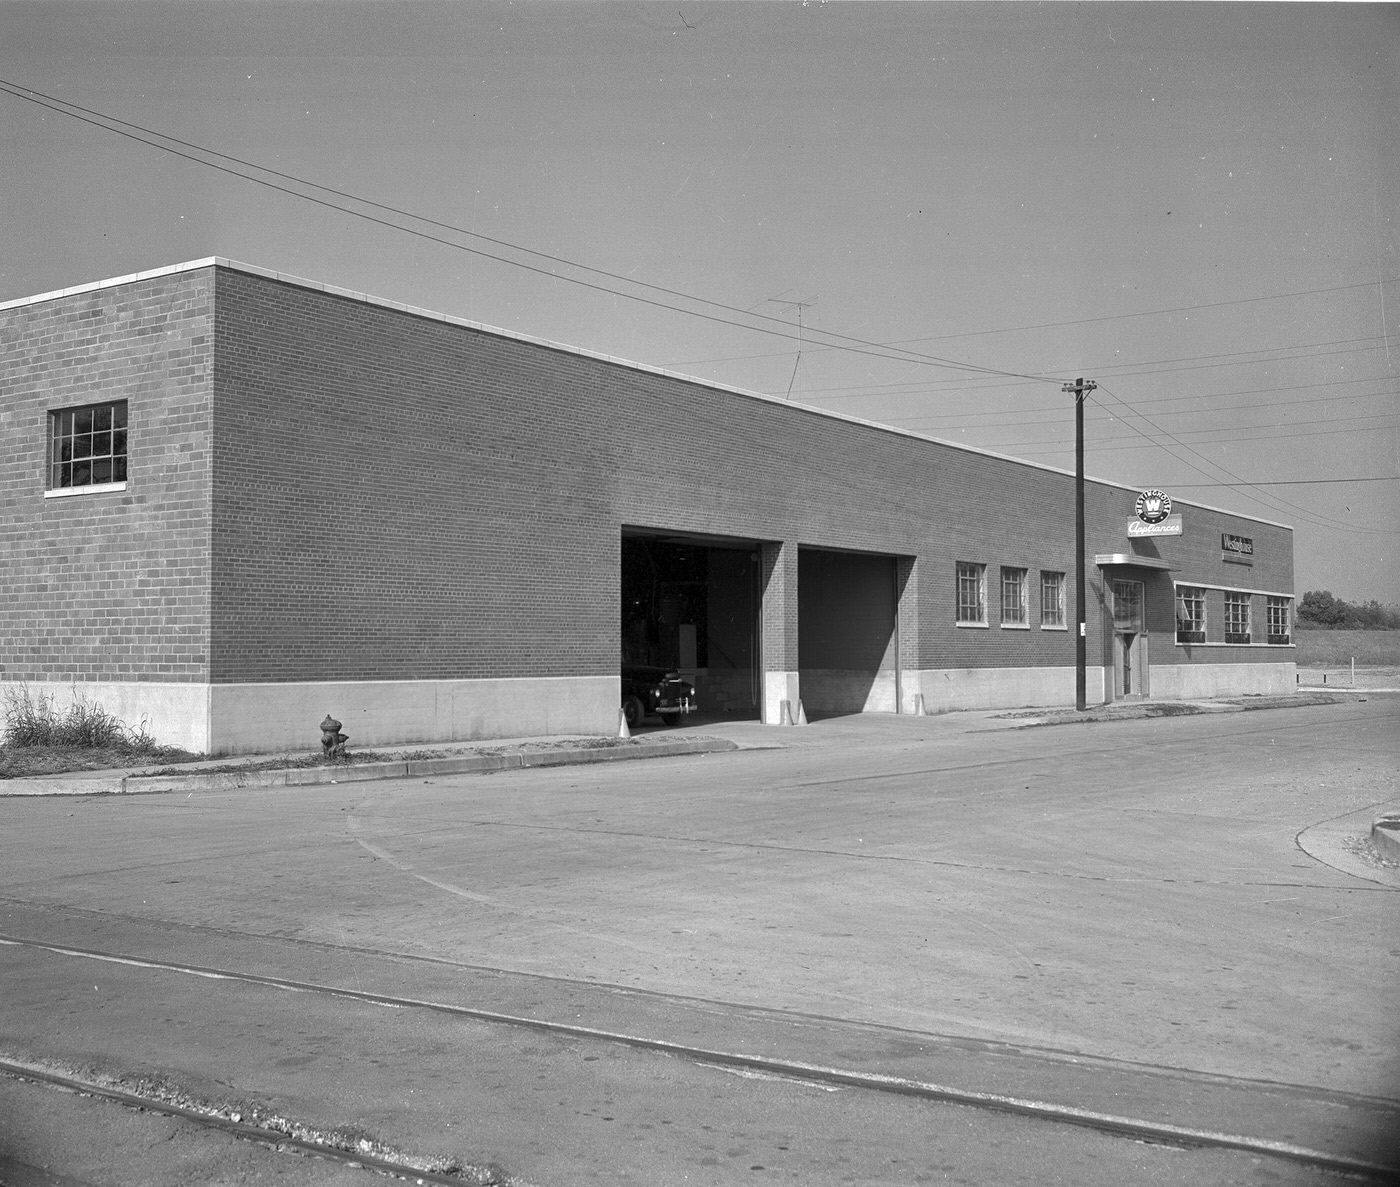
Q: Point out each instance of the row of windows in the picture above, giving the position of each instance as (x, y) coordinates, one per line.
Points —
(1239, 626)
(1191, 625)
(1015, 597)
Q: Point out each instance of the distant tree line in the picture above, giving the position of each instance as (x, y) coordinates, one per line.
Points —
(1319, 609)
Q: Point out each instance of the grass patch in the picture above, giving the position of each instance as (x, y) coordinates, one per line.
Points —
(1331, 649)
(41, 739)
(289, 762)
(292, 762)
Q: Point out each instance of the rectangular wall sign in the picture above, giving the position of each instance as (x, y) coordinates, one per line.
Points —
(1171, 526)
(1238, 547)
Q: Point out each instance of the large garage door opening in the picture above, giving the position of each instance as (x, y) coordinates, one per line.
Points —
(848, 649)
(691, 604)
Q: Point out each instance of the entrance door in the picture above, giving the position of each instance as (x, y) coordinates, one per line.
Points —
(1129, 640)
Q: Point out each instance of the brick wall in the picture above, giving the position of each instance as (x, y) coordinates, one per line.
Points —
(398, 498)
(109, 586)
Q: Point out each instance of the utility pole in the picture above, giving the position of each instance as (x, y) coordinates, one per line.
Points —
(1080, 388)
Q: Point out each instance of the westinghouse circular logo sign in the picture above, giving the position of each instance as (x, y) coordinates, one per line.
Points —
(1153, 506)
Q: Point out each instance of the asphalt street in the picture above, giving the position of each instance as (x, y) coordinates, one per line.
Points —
(868, 950)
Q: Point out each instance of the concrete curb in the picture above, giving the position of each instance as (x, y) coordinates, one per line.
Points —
(1385, 836)
(406, 768)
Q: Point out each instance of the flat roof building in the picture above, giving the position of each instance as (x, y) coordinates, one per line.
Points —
(232, 502)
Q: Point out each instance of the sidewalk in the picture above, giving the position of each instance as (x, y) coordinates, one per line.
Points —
(497, 754)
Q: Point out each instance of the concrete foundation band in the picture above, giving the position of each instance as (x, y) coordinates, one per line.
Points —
(248, 718)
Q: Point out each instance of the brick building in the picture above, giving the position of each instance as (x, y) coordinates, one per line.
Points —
(232, 502)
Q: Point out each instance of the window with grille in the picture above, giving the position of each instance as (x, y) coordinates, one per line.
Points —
(1190, 614)
(1013, 597)
(87, 446)
(1236, 617)
(1280, 626)
(1052, 599)
(972, 594)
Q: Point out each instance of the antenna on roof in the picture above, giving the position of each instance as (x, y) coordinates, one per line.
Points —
(805, 303)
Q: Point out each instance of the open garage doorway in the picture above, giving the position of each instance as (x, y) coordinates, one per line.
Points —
(848, 631)
(691, 604)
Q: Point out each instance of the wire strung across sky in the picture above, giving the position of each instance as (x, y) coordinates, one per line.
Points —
(1261, 495)
(347, 203)
(1125, 370)
(238, 167)
(1085, 321)
(1018, 418)
(1295, 481)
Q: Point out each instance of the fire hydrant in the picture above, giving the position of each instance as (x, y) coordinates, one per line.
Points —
(332, 740)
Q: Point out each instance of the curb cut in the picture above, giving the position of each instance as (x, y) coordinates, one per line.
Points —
(406, 768)
(1142, 710)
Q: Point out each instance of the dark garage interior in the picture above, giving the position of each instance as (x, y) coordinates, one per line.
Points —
(692, 604)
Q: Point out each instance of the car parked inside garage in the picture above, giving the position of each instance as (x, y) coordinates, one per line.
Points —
(655, 692)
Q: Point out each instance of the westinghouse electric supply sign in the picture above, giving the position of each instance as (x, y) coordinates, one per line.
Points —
(1237, 550)
(1154, 516)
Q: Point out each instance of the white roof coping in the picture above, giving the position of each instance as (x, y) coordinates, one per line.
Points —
(451, 319)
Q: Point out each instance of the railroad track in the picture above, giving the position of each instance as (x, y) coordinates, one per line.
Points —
(1137, 1127)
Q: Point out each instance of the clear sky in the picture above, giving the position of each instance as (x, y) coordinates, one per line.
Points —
(965, 205)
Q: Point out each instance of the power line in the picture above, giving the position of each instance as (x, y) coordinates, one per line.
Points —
(1148, 443)
(1214, 435)
(1291, 482)
(1262, 497)
(1083, 321)
(1234, 358)
(1016, 416)
(163, 143)
(198, 154)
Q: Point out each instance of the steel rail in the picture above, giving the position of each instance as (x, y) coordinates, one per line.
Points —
(1137, 1129)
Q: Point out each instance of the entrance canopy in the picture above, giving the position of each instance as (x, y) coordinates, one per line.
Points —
(1108, 560)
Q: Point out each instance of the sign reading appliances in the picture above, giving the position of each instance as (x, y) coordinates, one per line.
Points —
(1154, 515)
(1171, 526)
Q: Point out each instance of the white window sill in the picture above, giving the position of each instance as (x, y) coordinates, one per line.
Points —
(1015, 626)
(96, 488)
(1221, 643)
(1045, 627)
(972, 626)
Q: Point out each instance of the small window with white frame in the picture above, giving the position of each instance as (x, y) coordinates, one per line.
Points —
(1236, 617)
(972, 594)
(87, 448)
(1052, 600)
(1014, 610)
(1280, 620)
(1190, 614)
